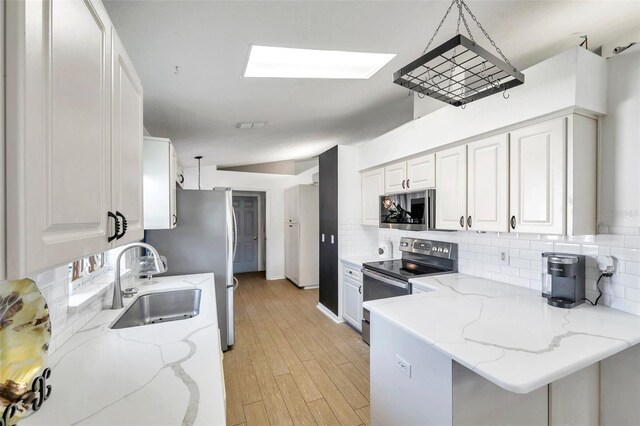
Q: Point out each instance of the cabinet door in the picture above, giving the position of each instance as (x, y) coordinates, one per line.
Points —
(421, 172)
(127, 145)
(352, 307)
(395, 177)
(451, 184)
(292, 255)
(488, 180)
(291, 204)
(372, 188)
(173, 174)
(58, 121)
(538, 178)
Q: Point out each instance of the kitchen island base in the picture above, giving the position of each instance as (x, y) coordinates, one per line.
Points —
(413, 383)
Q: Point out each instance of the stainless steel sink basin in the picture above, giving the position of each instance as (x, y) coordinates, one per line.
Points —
(154, 308)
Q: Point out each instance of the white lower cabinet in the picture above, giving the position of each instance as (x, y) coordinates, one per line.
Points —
(75, 158)
(352, 297)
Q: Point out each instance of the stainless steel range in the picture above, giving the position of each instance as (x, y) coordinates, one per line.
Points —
(390, 278)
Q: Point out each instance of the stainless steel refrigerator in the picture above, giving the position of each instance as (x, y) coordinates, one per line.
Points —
(204, 241)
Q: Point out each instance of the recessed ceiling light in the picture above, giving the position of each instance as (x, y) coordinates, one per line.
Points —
(285, 62)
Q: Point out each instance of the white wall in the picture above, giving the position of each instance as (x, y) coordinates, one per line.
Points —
(573, 79)
(619, 210)
(274, 186)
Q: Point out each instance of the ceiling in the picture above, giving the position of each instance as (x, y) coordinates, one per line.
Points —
(198, 107)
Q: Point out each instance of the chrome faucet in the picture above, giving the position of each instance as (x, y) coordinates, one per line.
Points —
(117, 289)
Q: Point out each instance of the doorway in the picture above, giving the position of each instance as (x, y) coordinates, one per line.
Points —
(250, 217)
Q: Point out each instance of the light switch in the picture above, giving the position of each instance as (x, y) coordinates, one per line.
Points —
(403, 366)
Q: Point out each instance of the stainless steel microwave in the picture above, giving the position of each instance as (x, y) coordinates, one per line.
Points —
(413, 211)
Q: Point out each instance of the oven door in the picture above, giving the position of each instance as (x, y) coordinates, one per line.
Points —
(377, 286)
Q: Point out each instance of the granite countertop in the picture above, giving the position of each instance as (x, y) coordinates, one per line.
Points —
(508, 334)
(159, 374)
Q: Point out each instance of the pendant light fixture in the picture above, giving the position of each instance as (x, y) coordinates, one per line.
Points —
(459, 71)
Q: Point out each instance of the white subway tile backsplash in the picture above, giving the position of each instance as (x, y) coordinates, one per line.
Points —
(566, 248)
(519, 244)
(479, 255)
(626, 254)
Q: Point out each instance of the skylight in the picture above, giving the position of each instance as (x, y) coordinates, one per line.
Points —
(285, 62)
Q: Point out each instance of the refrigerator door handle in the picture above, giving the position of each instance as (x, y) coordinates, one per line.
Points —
(235, 232)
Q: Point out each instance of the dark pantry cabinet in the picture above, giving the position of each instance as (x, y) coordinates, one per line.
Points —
(328, 194)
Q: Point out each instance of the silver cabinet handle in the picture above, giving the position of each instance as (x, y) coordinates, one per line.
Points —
(360, 289)
(403, 187)
(407, 183)
(513, 222)
(322, 237)
(333, 239)
(462, 221)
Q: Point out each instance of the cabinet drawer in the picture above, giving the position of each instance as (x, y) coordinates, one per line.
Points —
(352, 273)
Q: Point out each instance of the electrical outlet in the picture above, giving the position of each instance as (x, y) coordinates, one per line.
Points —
(504, 257)
(403, 365)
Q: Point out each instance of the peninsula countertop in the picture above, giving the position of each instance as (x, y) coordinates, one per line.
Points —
(508, 334)
(161, 374)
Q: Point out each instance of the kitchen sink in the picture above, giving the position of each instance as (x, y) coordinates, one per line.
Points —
(155, 308)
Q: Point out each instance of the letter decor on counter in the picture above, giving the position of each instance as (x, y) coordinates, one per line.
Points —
(25, 332)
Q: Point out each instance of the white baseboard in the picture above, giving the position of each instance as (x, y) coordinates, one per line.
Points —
(331, 315)
(278, 277)
(310, 287)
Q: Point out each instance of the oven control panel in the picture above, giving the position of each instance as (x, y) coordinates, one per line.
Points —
(429, 247)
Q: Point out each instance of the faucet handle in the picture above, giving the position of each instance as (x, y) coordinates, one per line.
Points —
(129, 292)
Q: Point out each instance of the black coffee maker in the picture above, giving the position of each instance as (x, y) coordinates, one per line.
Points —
(567, 274)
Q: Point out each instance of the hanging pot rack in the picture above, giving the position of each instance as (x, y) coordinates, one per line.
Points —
(459, 71)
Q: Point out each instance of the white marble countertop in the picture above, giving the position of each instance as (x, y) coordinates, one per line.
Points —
(159, 374)
(507, 334)
(358, 260)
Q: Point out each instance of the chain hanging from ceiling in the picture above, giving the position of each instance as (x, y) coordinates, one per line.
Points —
(459, 71)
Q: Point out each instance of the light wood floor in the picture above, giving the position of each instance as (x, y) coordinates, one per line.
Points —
(291, 365)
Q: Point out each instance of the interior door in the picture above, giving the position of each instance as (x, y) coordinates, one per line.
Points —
(58, 193)
(127, 145)
(421, 172)
(538, 178)
(246, 259)
(451, 184)
(488, 180)
(395, 177)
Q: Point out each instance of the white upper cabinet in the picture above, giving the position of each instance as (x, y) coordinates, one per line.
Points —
(59, 150)
(395, 178)
(126, 144)
(68, 135)
(488, 184)
(421, 173)
(372, 189)
(412, 175)
(291, 198)
(159, 184)
(538, 178)
(451, 188)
